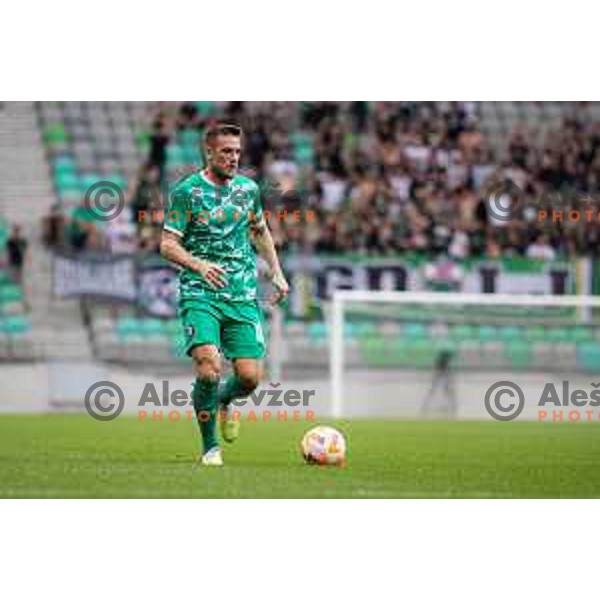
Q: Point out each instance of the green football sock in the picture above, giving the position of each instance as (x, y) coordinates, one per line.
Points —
(231, 389)
(204, 396)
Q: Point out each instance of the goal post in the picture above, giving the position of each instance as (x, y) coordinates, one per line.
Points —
(570, 320)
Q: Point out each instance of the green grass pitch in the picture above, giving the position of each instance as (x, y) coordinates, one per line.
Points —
(74, 456)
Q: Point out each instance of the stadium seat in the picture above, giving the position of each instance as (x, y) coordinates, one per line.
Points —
(510, 332)
(172, 327)
(67, 180)
(469, 353)
(151, 327)
(128, 327)
(89, 180)
(15, 325)
(414, 330)
(535, 333)
(175, 155)
(374, 351)
(10, 293)
(519, 354)
(462, 332)
(365, 329)
(487, 333)
(190, 138)
(424, 353)
(317, 332)
(205, 107)
(588, 357)
(493, 353)
(55, 134)
(558, 334)
(581, 334)
(64, 165)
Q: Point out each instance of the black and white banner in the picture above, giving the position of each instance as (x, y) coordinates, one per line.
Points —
(96, 276)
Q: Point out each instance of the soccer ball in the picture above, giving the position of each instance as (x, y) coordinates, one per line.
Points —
(324, 446)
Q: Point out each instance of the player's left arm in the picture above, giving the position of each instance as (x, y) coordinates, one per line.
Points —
(263, 242)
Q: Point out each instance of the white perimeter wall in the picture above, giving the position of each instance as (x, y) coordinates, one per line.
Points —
(393, 394)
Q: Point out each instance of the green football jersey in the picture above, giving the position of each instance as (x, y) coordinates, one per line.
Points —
(214, 224)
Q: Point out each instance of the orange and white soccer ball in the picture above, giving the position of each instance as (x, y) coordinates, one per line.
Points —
(324, 446)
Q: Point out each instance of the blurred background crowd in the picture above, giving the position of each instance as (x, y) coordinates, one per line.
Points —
(382, 178)
(401, 197)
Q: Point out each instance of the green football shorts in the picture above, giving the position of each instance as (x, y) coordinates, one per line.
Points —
(236, 328)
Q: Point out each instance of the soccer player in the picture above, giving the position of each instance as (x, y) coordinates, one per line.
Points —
(212, 228)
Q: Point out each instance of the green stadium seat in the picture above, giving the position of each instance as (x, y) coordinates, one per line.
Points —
(15, 325)
(191, 138)
(89, 180)
(463, 332)
(365, 329)
(172, 327)
(303, 148)
(425, 353)
(558, 334)
(128, 327)
(588, 356)
(317, 332)
(151, 327)
(581, 334)
(4, 232)
(64, 181)
(374, 350)
(55, 134)
(65, 165)
(535, 333)
(519, 354)
(175, 154)
(414, 330)
(487, 333)
(205, 107)
(510, 332)
(11, 293)
(142, 140)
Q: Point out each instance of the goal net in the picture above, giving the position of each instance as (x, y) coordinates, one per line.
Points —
(423, 353)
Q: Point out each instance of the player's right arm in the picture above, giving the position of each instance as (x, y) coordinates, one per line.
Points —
(171, 248)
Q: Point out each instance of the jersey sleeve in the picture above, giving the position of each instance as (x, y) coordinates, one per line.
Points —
(176, 217)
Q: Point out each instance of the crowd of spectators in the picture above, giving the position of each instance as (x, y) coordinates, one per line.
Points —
(384, 178)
